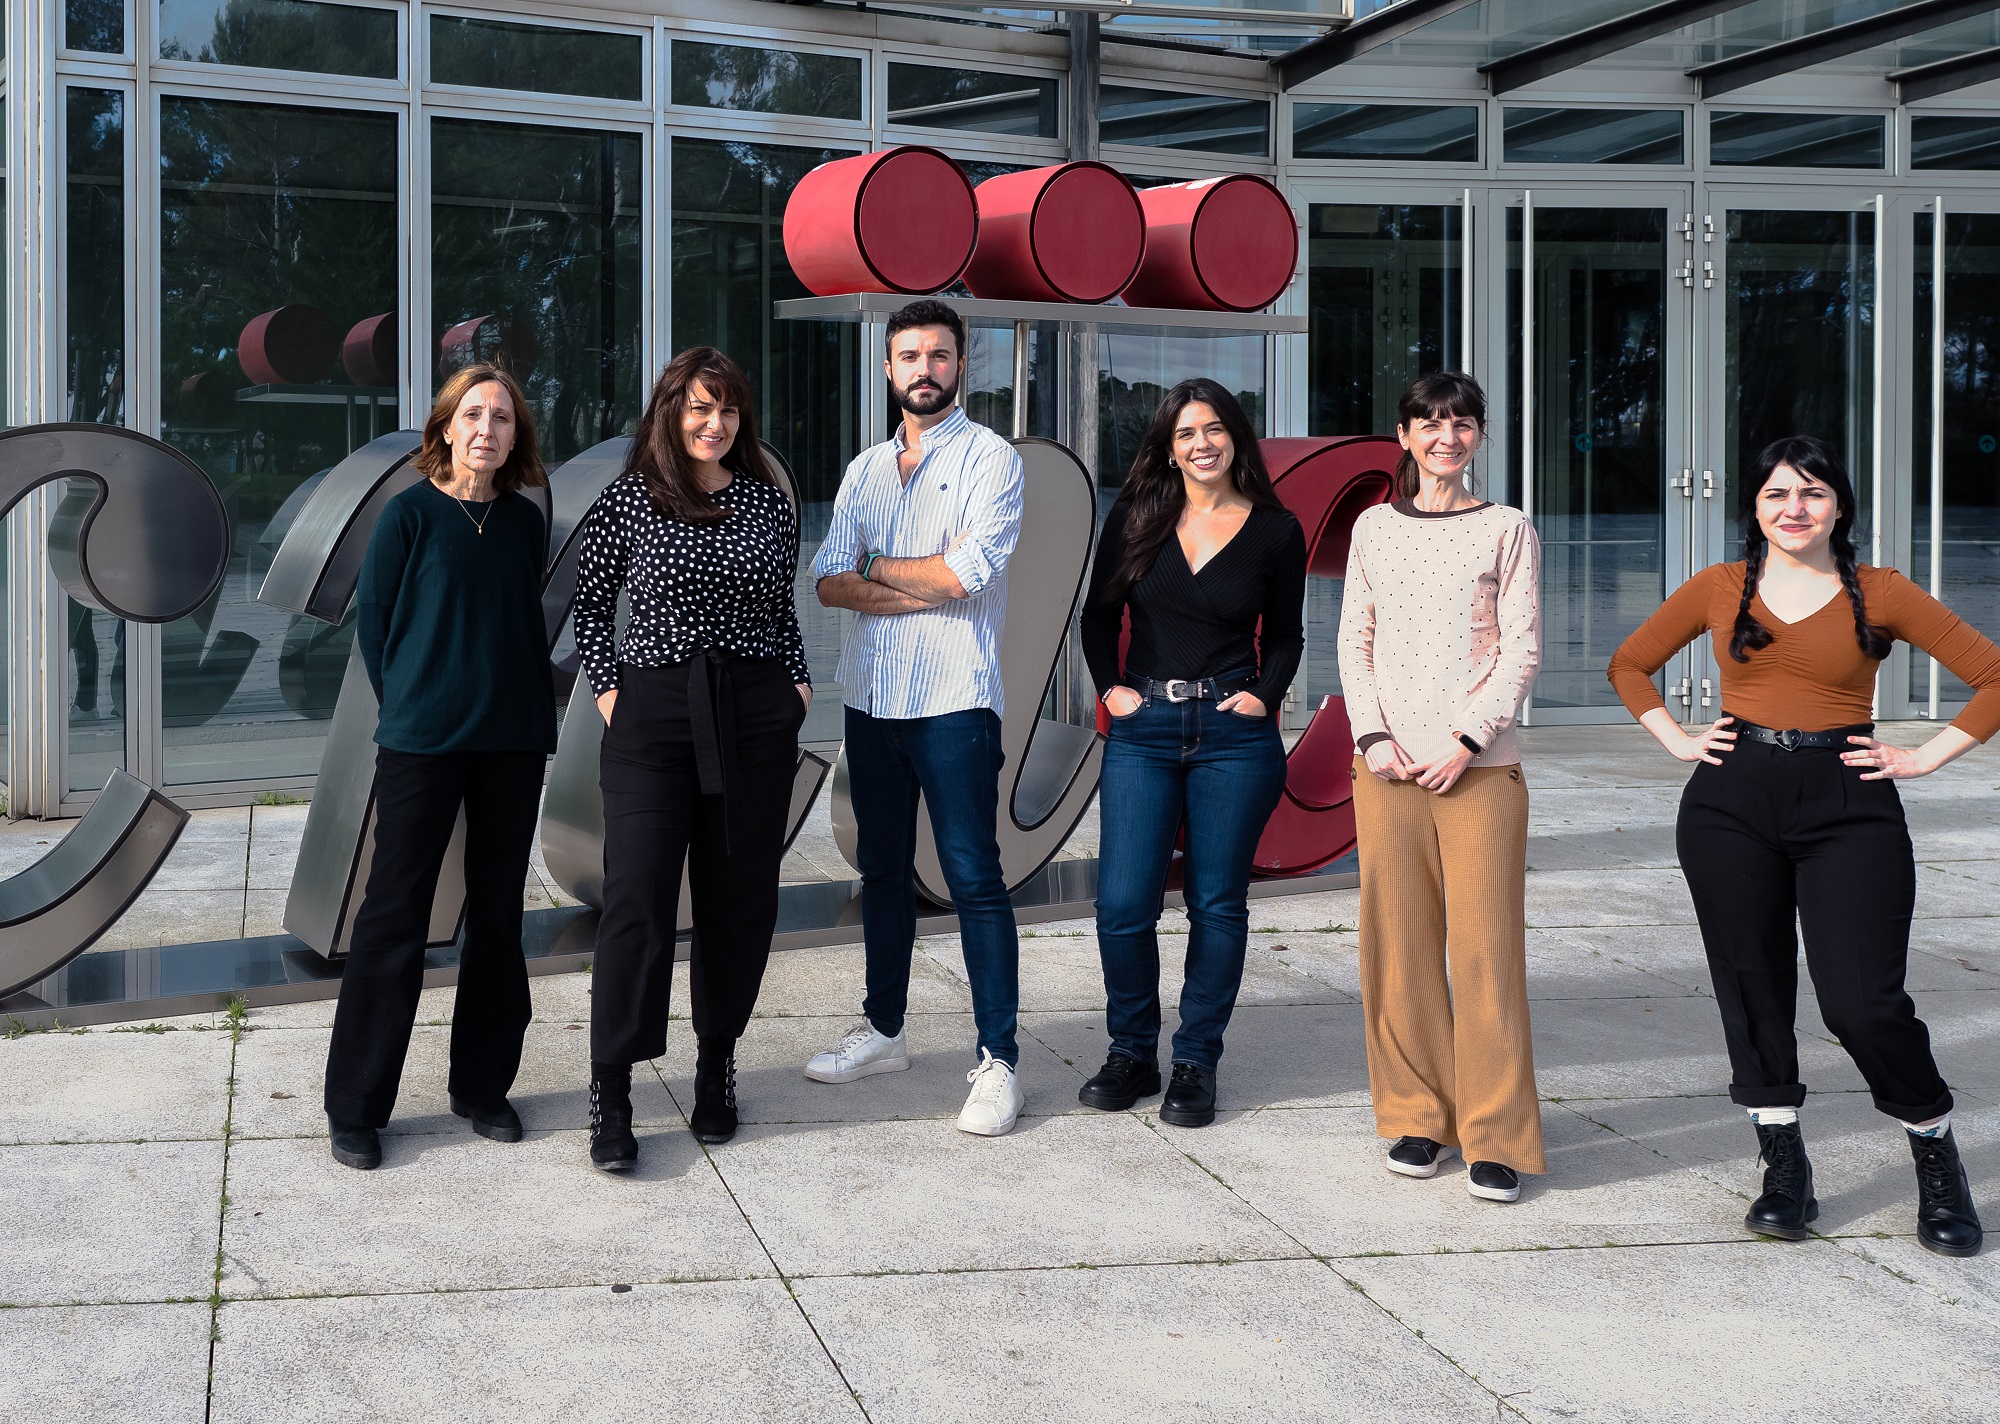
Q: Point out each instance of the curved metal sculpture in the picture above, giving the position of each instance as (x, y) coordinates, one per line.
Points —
(573, 805)
(140, 533)
(1327, 484)
(1050, 771)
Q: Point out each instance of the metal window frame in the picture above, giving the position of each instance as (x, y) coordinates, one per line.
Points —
(647, 35)
(865, 56)
(149, 56)
(1288, 128)
(1337, 47)
(1739, 71)
(1945, 76)
(922, 58)
(1567, 52)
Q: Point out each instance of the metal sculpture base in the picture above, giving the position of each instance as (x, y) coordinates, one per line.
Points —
(124, 985)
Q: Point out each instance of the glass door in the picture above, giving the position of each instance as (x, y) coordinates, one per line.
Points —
(1788, 287)
(1597, 301)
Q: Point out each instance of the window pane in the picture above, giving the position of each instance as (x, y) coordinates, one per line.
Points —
(1949, 141)
(1593, 136)
(1428, 133)
(766, 81)
(94, 371)
(535, 264)
(728, 267)
(966, 99)
(1797, 140)
(281, 34)
(265, 207)
(97, 26)
(1210, 123)
(545, 59)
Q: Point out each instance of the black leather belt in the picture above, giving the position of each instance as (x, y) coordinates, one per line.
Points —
(1791, 739)
(1201, 689)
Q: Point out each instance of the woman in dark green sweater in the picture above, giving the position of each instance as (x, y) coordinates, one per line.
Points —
(450, 627)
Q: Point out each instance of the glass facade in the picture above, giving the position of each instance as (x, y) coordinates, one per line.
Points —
(766, 81)
(928, 97)
(1594, 136)
(1787, 140)
(544, 59)
(1423, 133)
(94, 26)
(309, 35)
(1164, 118)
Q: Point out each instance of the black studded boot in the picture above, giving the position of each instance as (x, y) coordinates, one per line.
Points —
(714, 1115)
(613, 1148)
(1947, 1222)
(1787, 1204)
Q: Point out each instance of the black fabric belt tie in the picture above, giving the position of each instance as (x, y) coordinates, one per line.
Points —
(711, 708)
(1791, 739)
(1200, 689)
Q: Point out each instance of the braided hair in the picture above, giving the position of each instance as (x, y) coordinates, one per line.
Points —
(1816, 460)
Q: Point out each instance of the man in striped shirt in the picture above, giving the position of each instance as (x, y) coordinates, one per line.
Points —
(922, 530)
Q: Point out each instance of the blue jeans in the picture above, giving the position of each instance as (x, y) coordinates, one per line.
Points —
(1222, 774)
(953, 760)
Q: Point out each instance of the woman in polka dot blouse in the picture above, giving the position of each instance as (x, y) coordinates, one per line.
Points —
(702, 697)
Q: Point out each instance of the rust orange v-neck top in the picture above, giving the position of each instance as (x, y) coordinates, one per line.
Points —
(1813, 675)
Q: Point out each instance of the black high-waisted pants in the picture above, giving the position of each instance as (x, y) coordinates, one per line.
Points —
(1771, 836)
(656, 818)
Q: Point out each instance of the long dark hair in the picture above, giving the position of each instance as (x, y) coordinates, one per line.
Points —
(1816, 460)
(1442, 395)
(1154, 488)
(659, 453)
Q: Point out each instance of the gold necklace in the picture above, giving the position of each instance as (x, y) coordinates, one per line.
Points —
(479, 525)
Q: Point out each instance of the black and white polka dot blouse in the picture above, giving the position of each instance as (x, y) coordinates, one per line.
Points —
(692, 587)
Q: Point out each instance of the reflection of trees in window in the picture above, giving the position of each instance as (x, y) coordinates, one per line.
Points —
(967, 99)
(539, 229)
(95, 26)
(546, 59)
(281, 34)
(95, 306)
(766, 81)
(729, 267)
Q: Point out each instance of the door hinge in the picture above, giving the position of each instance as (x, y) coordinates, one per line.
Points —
(1708, 229)
(1707, 691)
(1708, 484)
(1687, 226)
(1708, 274)
(1684, 482)
(1684, 690)
(1687, 273)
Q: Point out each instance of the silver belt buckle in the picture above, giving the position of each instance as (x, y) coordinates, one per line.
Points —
(1174, 693)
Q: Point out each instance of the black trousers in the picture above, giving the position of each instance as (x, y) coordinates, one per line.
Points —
(1770, 837)
(416, 804)
(657, 819)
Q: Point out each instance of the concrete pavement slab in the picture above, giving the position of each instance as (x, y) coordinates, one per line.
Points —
(1744, 1331)
(463, 1213)
(923, 1196)
(275, 833)
(829, 981)
(1258, 1341)
(118, 1084)
(1638, 896)
(87, 1364)
(177, 917)
(1624, 1048)
(710, 1351)
(1066, 972)
(106, 1222)
(433, 1007)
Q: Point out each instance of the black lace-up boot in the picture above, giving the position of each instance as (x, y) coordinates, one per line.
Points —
(1190, 1099)
(1947, 1222)
(613, 1148)
(1787, 1204)
(714, 1115)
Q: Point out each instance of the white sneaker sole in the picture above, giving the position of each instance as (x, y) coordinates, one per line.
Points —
(866, 1070)
(1493, 1193)
(998, 1129)
(1406, 1169)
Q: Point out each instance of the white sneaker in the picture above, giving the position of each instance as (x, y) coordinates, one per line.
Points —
(995, 1101)
(860, 1052)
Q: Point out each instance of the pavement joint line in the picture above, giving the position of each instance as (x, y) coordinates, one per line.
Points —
(238, 1013)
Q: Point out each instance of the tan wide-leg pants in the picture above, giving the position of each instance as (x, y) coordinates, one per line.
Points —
(1444, 981)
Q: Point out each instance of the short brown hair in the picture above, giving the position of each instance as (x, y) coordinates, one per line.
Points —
(659, 450)
(524, 462)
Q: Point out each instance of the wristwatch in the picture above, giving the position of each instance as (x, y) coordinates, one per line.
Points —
(1468, 743)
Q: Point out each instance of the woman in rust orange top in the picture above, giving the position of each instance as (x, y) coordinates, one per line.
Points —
(1792, 813)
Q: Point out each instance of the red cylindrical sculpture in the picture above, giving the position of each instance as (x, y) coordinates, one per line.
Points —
(291, 346)
(369, 353)
(902, 220)
(1223, 244)
(497, 339)
(1071, 233)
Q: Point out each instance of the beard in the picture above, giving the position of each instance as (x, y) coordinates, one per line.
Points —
(924, 396)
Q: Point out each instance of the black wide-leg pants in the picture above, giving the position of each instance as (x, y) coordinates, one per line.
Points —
(416, 805)
(657, 819)
(1770, 838)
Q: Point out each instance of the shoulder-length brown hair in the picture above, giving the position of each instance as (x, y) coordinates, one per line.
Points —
(524, 462)
(659, 451)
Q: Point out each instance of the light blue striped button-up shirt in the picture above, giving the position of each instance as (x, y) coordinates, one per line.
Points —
(943, 659)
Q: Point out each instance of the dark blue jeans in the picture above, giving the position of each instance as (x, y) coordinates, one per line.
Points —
(953, 760)
(1221, 774)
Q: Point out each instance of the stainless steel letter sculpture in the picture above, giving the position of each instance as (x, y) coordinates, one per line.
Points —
(1051, 767)
(139, 533)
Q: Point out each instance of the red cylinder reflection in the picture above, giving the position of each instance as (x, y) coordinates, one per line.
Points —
(1070, 233)
(369, 353)
(902, 220)
(1222, 244)
(496, 339)
(292, 345)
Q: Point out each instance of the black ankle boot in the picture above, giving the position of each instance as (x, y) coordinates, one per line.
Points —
(714, 1115)
(1121, 1082)
(613, 1148)
(1190, 1099)
(1787, 1204)
(1947, 1223)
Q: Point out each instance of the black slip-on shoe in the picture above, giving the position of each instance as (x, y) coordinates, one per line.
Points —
(1415, 1157)
(354, 1145)
(714, 1117)
(1787, 1205)
(1119, 1084)
(613, 1148)
(1490, 1181)
(1947, 1222)
(1190, 1100)
(500, 1122)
